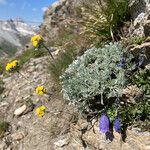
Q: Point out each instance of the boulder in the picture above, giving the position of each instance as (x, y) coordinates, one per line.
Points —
(136, 7)
(140, 14)
(147, 67)
(143, 47)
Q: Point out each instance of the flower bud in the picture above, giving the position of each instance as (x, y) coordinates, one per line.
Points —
(117, 124)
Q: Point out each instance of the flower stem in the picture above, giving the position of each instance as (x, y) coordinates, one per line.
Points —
(102, 102)
(48, 51)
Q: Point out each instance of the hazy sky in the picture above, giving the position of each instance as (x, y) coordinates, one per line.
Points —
(28, 10)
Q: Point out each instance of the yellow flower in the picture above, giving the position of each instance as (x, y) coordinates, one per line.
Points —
(40, 90)
(8, 66)
(36, 40)
(42, 107)
(35, 43)
(40, 111)
(12, 65)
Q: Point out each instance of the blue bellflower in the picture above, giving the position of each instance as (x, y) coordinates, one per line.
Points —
(104, 123)
(141, 61)
(122, 62)
(117, 124)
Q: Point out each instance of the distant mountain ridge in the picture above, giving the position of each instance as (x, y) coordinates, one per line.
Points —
(14, 35)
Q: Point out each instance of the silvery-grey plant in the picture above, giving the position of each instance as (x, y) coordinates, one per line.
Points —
(96, 76)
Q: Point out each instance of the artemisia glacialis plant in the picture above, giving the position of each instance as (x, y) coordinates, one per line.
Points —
(96, 76)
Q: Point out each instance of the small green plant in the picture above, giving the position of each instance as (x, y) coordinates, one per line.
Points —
(131, 113)
(3, 127)
(142, 79)
(94, 78)
(137, 40)
(140, 111)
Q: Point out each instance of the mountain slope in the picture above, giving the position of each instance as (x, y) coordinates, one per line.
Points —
(14, 34)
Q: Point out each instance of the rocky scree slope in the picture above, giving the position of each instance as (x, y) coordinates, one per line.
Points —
(61, 128)
(27, 131)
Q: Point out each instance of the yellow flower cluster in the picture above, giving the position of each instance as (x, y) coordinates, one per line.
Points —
(12, 65)
(36, 40)
(40, 111)
(40, 90)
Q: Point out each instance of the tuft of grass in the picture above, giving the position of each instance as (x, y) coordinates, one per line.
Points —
(3, 127)
(102, 20)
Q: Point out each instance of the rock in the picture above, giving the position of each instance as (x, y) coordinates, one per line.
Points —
(19, 111)
(27, 107)
(2, 145)
(56, 5)
(147, 67)
(18, 135)
(3, 108)
(147, 146)
(136, 7)
(146, 47)
(5, 94)
(147, 28)
(63, 1)
(56, 17)
(61, 141)
(140, 18)
(56, 52)
(4, 104)
(30, 106)
(140, 13)
(19, 124)
(133, 93)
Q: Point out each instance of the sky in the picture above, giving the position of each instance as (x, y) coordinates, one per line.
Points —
(28, 10)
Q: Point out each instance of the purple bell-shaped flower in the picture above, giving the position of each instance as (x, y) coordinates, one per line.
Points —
(122, 62)
(117, 124)
(104, 123)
